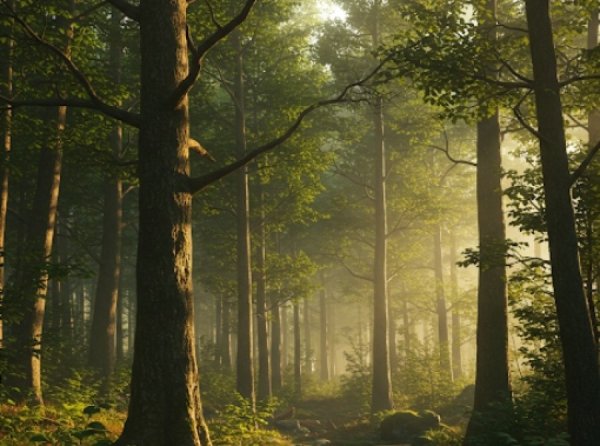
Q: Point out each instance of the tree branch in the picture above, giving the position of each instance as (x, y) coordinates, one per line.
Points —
(131, 11)
(204, 47)
(584, 164)
(94, 101)
(131, 119)
(198, 183)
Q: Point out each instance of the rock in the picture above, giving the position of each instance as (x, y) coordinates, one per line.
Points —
(312, 425)
(407, 426)
(291, 426)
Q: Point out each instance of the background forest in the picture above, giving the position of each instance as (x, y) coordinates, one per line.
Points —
(394, 237)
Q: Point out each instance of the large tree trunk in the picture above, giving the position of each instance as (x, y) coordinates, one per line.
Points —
(579, 347)
(245, 363)
(102, 340)
(323, 350)
(382, 381)
(441, 310)
(226, 335)
(165, 407)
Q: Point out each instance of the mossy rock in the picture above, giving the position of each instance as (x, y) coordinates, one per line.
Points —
(408, 427)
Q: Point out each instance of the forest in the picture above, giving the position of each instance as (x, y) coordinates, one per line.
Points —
(395, 236)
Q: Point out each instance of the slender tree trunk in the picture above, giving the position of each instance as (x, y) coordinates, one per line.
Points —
(285, 336)
(441, 310)
(332, 339)
(406, 326)
(218, 328)
(297, 351)
(382, 381)
(6, 129)
(226, 335)
(164, 407)
(323, 350)
(245, 363)
(32, 280)
(276, 378)
(264, 369)
(392, 338)
(102, 340)
(119, 335)
(307, 338)
(579, 347)
(456, 317)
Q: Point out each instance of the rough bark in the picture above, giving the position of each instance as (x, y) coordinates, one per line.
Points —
(579, 348)
(165, 407)
(441, 309)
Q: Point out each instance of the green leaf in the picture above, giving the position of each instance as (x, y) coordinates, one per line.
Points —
(39, 438)
(97, 426)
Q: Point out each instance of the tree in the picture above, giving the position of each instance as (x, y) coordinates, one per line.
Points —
(577, 339)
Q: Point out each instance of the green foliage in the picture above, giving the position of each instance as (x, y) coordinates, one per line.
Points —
(239, 424)
(57, 426)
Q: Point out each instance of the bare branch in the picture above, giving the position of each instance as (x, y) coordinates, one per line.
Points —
(446, 152)
(198, 183)
(131, 11)
(204, 47)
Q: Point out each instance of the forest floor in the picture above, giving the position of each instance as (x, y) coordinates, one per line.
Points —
(335, 420)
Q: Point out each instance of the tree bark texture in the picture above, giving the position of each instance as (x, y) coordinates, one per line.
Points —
(165, 407)
(579, 348)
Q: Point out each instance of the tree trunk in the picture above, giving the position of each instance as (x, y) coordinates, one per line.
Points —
(492, 376)
(382, 381)
(276, 379)
(102, 340)
(226, 335)
(6, 130)
(579, 347)
(297, 351)
(392, 328)
(456, 308)
(307, 338)
(245, 363)
(441, 310)
(164, 407)
(32, 281)
(323, 350)
(264, 369)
